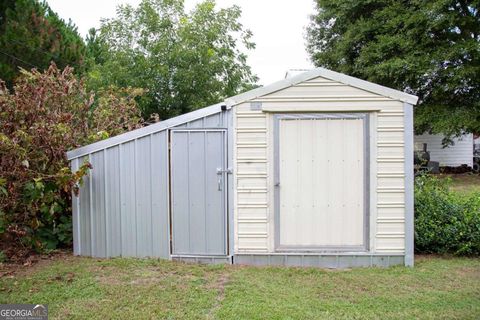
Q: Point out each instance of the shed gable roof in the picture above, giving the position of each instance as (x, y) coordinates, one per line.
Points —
(324, 73)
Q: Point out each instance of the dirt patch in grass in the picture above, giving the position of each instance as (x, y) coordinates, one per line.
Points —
(219, 286)
(141, 276)
(468, 272)
(465, 182)
(33, 263)
(114, 277)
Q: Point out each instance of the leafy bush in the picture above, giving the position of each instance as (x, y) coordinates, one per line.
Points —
(445, 221)
(47, 114)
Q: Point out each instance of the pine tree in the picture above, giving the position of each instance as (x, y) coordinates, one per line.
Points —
(32, 35)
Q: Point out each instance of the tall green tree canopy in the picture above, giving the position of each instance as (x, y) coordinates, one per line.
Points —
(429, 48)
(184, 60)
(32, 35)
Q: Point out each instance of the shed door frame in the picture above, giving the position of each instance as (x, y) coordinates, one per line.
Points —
(224, 185)
(366, 195)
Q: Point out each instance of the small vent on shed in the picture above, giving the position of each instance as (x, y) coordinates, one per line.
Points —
(255, 106)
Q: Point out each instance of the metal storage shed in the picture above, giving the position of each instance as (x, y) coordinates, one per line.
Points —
(314, 170)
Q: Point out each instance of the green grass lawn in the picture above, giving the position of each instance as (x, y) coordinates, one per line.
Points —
(466, 182)
(86, 288)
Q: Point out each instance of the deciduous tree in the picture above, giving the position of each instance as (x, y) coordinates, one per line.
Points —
(427, 48)
(184, 60)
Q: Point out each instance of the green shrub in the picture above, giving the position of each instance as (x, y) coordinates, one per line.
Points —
(45, 115)
(445, 221)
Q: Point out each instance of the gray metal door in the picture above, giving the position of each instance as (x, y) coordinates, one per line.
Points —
(198, 180)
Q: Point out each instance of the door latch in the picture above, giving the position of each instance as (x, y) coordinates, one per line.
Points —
(220, 171)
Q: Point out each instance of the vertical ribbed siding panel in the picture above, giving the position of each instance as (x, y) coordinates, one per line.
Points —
(98, 205)
(214, 218)
(127, 195)
(197, 191)
(84, 210)
(213, 121)
(160, 190)
(196, 123)
(143, 197)
(112, 202)
(75, 215)
(181, 240)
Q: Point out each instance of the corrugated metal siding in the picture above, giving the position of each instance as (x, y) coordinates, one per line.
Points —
(254, 140)
(112, 201)
(84, 214)
(122, 208)
(98, 225)
(461, 152)
(159, 182)
(128, 197)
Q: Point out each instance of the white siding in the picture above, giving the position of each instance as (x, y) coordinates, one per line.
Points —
(456, 155)
(251, 201)
(253, 154)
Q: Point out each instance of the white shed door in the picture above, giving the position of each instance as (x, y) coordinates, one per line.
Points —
(321, 183)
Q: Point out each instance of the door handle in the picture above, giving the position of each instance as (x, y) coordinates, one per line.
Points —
(220, 173)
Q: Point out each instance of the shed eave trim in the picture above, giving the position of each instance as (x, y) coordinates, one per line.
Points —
(145, 131)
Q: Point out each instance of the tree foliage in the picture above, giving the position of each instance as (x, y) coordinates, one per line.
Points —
(47, 114)
(184, 60)
(427, 48)
(32, 35)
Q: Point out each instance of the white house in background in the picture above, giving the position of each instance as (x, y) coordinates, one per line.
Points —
(461, 152)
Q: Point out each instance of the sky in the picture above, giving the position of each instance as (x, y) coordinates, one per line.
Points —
(278, 28)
